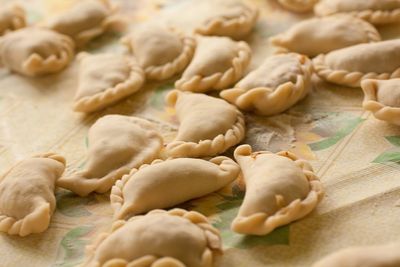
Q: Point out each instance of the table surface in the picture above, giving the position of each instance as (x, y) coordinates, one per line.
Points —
(354, 154)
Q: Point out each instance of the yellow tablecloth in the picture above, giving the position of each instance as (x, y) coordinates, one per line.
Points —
(355, 155)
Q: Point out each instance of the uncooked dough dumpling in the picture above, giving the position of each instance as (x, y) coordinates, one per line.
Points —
(218, 62)
(12, 17)
(105, 79)
(165, 184)
(382, 98)
(299, 6)
(280, 189)
(161, 51)
(27, 199)
(349, 66)
(316, 36)
(117, 144)
(208, 125)
(175, 238)
(374, 11)
(36, 51)
(278, 84)
(86, 20)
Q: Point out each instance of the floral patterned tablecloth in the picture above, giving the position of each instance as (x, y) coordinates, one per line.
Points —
(356, 156)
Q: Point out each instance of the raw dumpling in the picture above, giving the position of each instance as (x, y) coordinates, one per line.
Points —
(27, 199)
(105, 79)
(372, 256)
(35, 51)
(298, 5)
(164, 184)
(116, 145)
(175, 238)
(162, 52)
(218, 62)
(226, 18)
(321, 35)
(230, 18)
(12, 17)
(374, 11)
(208, 125)
(349, 66)
(86, 20)
(382, 98)
(279, 83)
(280, 188)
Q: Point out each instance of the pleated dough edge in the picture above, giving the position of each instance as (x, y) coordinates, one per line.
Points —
(214, 243)
(244, 99)
(262, 223)
(218, 81)
(114, 94)
(379, 110)
(41, 214)
(345, 77)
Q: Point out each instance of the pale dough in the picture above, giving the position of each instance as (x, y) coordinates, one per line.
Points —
(165, 184)
(12, 17)
(279, 83)
(175, 238)
(299, 6)
(217, 63)
(36, 51)
(208, 125)
(374, 11)
(382, 98)
(117, 144)
(105, 79)
(349, 66)
(86, 20)
(27, 199)
(280, 189)
(161, 51)
(316, 36)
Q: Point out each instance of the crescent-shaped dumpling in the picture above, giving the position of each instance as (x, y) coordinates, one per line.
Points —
(231, 18)
(175, 238)
(374, 11)
(12, 17)
(116, 145)
(161, 51)
(299, 6)
(217, 63)
(36, 51)
(27, 199)
(86, 20)
(316, 36)
(208, 125)
(105, 79)
(164, 184)
(367, 256)
(349, 66)
(382, 98)
(280, 188)
(225, 18)
(279, 83)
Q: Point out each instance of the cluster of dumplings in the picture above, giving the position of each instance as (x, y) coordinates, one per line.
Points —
(146, 177)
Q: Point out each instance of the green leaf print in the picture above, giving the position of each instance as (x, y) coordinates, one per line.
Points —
(228, 211)
(72, 206)
(339, 135)
(394, 140)
(388, 156)
(391, 155)
(72, 246)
